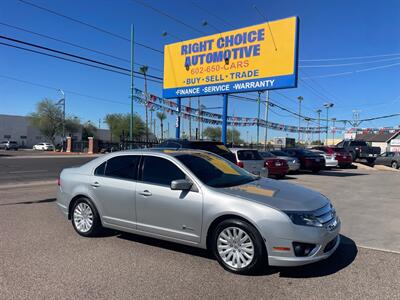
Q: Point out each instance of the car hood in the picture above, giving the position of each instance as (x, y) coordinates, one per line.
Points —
(280, 195)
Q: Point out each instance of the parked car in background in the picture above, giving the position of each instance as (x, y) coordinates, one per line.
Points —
(309, 161)
(250, 160)
(277, 167)
(211, 146)
(390, 159)
(293, 162)
(330, 161)
(199, 199)
(43, 147)
(343, 157)
(9, 145)
(360, 150)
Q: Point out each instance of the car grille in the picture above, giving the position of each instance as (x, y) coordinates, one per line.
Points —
(325, 214)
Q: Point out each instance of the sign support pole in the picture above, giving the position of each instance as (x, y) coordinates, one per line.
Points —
(266, 122)
(258, 118)
(178, 118)
(224, 118)
(132, 86)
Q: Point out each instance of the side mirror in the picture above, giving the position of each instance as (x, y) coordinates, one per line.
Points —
(181, 185)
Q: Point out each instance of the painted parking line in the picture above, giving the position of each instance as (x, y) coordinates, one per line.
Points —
(378, 249)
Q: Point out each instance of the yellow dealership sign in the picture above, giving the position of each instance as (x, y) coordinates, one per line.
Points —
(246, 59)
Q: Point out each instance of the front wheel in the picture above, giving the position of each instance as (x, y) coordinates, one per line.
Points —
(85, 218)
(395, 165)
(238, 247)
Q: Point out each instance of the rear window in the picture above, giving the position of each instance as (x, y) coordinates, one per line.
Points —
(340, 150)
(358, 143)
(248, 155)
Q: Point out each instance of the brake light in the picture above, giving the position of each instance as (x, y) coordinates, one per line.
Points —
(240, 164)
(59, 181)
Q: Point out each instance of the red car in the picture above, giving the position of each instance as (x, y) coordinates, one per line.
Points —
(277, 167)
(341, 155)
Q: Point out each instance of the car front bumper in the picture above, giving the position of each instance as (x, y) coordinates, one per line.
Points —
(326, 242)
(331, 163)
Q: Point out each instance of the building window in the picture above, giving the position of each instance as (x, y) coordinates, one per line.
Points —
(7, 136)
(23, 137)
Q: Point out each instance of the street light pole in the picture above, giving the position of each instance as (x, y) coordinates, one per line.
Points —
(300, 98)
(327, 105)
(62, 102)
(319, 124)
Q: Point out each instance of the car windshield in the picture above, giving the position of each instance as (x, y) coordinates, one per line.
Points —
(358, 143)
(266, 154)
(279, 153)
(215, 171)
(340, 150)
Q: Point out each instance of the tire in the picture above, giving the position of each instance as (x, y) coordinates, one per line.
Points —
(250, 253)
(353, 156)
(395, 165)
(90, 224)
(371, 161)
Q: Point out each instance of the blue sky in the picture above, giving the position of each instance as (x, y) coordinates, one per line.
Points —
(328, 30)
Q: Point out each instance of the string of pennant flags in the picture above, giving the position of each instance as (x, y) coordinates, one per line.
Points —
(154, 102)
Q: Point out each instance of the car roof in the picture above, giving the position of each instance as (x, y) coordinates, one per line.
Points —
(242, 149)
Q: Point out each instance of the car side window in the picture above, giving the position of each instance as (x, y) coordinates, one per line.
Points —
(99, 171)
(158, 170)
(123, 167)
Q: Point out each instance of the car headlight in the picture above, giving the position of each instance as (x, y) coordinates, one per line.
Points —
(294, 161)
(304, 219)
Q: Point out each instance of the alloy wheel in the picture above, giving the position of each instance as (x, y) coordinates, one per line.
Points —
(83, 217)
(235, 247)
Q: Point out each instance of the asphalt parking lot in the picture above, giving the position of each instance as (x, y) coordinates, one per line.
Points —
(42, 257)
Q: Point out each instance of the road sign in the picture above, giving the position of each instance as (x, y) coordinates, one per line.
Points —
(246, 59)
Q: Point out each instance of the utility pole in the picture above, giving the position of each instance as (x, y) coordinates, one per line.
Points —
(319, 124)
(190, 118)
(333, 130)
(258, 117)
(327, 105)
(308, 132)
(143, 70)
(198, 117)
(300, 98)
(132, 82)
(266, 121)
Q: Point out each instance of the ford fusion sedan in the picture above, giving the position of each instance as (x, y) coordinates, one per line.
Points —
(197, 198)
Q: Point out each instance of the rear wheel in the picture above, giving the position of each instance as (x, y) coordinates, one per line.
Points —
(238, 247)
(85, 218)
(395, 165)
(371, 161)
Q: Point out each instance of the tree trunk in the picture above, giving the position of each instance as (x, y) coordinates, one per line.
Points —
(162, 130)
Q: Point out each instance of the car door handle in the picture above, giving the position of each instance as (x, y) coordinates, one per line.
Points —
(95, 184)
(145, 193)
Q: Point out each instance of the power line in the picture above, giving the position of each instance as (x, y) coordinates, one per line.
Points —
(73, 44)
(71, 60)
(168, 16)
(350, 72)
(89, 25)
(75, 56)
(349, 64)
(212, 14)
(349, 58)
(68, 91)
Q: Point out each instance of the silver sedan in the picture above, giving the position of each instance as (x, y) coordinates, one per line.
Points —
(199, 199)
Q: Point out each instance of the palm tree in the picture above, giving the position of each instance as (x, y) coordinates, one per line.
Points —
(143, 70)
(162, 116)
